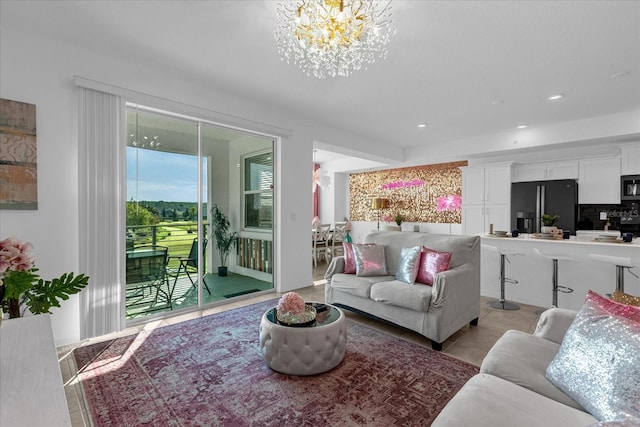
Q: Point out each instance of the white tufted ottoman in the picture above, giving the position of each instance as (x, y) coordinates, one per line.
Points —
(304, 350)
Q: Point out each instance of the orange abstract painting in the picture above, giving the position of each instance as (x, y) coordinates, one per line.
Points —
(18, 167)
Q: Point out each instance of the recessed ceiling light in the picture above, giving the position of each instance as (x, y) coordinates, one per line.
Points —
(422, 125)
(556, 96)
(619, 74)
(522, 126)
(497, 102)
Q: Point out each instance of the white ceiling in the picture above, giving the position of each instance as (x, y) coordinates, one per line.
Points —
(466, 68)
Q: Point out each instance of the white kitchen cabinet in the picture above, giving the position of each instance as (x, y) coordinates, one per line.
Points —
(497, 184)
(530, 172)
(563, 170)
(599, 181)
(473, 186)
(486, 198)
(545, 171)
(630, 157)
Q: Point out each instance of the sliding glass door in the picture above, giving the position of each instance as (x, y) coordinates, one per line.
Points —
(185, 177)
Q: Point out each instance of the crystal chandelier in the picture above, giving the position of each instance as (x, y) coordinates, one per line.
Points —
(333, 37)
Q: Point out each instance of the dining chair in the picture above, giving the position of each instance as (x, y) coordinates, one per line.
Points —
(320, 243)
(338, 236)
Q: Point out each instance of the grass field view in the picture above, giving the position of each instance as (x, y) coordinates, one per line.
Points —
(167, 291)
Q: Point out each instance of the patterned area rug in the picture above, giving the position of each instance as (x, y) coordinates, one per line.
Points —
(209, 372)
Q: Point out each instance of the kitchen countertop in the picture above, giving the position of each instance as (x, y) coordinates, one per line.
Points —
(577, 270)
(635, 243)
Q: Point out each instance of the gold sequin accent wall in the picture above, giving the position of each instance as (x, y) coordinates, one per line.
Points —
(430, 193)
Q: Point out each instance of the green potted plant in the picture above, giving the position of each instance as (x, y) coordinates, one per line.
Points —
(549, 222)
(22, 286)
(225, 239)
(396, 218)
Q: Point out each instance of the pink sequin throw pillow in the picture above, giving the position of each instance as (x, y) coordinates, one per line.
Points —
(431, 263)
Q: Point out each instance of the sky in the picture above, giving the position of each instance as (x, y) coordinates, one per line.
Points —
(162, 176)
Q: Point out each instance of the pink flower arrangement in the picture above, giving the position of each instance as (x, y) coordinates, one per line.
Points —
(22, 286)
(15, 255)
(291, 302)
(452, 202)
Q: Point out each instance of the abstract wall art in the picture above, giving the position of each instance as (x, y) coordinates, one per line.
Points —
(18, 167)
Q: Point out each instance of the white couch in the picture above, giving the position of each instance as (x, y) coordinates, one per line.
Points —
(512, 388)
(437, 311)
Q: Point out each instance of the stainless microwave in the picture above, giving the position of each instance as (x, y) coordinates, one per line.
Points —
(630, 187)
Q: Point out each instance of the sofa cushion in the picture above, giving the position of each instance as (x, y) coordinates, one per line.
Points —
(360, 286)
(598, 363)
(486, 400)
(615, 308)
(370, 260)
(408, 264)
(522, 359)
(431, 263)
(349, 260)
(398, 293)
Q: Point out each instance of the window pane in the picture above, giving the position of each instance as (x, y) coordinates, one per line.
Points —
(162, 207)
(259, 210)
(258, 172)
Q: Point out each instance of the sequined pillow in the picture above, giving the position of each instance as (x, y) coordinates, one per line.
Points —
(598, 364)
(370, 260)
(431, 263)
(408, 265)
(349, 261)
(614, 307)
(633, 422)
(625, 298)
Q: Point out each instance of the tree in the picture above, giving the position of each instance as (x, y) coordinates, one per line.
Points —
(139, 215)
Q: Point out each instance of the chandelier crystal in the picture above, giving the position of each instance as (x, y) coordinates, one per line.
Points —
(333, 37)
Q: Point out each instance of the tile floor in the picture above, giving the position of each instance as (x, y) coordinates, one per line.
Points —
(470, 344)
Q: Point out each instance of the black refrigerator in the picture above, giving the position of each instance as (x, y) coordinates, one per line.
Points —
(529, 200)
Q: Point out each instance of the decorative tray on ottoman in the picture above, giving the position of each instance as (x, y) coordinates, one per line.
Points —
(305, 318)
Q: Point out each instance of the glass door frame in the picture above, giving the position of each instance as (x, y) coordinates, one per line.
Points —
(200, 122)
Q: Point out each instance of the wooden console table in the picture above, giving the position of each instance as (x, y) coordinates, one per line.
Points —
(31, 388)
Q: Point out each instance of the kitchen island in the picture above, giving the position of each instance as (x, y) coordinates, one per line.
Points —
(534, 272)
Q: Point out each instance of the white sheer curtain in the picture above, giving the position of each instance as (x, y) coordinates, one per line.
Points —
(100, 121)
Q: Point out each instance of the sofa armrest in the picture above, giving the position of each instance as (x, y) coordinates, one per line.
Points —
(554, 323)
(336, 266)
(457, 284)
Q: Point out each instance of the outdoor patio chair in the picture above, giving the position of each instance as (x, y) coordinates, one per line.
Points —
(188, 265)
(146, 269)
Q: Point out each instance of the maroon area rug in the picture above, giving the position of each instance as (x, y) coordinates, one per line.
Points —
(209, 372)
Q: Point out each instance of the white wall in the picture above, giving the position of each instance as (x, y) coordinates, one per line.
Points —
(40, 71)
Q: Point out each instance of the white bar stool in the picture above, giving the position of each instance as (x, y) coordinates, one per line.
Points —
(554, 278)
(502, 303)
(620, 262)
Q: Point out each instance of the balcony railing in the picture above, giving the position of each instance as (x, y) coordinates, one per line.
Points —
(177, 236)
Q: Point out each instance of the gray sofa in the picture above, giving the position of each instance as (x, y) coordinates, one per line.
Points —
(437, 311)
(512, 389)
